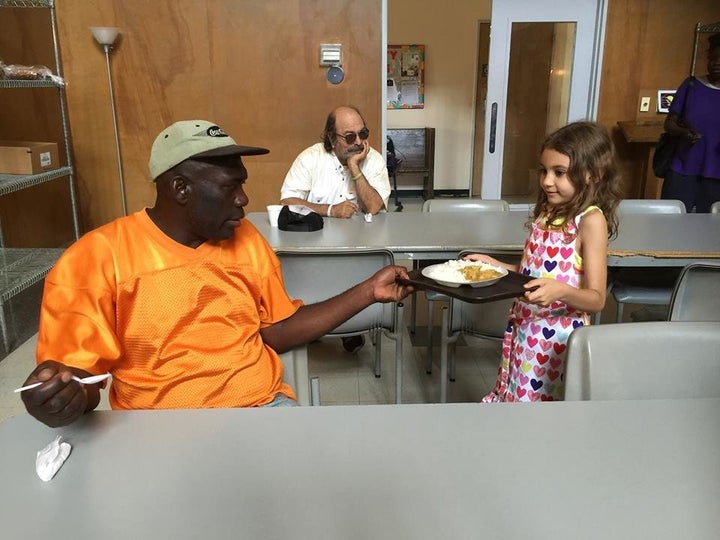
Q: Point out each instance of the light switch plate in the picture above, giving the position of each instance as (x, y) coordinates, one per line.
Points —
(645, 104)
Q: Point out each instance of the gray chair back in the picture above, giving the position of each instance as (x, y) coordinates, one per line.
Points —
(465, 205)
(316, 276)
(646, 360)
(697, 294)
(650, 206)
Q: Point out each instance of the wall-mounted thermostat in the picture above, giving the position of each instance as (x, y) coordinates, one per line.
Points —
(330, 54)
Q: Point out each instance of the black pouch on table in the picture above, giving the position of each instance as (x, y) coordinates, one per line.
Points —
(293, 221)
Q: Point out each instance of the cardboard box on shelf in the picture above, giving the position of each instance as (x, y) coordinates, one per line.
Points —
(27, 157)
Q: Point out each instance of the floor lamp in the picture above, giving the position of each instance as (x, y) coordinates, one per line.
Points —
(106, 36)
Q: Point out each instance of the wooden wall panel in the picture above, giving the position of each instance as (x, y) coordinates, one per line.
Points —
(648, 45)
(250, 66)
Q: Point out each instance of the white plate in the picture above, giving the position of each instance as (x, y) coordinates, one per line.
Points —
(428, 270)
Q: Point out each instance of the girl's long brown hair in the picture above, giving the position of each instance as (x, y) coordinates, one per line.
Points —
(592, 157)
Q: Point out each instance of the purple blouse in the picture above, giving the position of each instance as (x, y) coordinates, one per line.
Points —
(699, 105)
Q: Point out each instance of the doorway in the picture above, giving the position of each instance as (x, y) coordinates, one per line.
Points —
(543, 72)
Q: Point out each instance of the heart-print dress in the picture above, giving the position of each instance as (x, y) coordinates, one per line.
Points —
(533, 350)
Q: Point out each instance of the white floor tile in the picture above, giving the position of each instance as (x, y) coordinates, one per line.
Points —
(338, 389)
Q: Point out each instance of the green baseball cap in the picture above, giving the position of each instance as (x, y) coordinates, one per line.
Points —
(194, 139)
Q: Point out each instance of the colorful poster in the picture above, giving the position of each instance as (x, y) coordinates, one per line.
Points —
(406, 77)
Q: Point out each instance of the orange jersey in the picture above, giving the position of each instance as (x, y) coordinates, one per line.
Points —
(177, 327)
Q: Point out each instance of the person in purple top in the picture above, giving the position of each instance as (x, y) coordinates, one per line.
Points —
(694, 176)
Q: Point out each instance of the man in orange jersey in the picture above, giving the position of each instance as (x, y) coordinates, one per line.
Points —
(183, 303)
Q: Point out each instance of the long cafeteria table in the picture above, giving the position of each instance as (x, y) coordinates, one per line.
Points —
(565, 470)
(643, 240)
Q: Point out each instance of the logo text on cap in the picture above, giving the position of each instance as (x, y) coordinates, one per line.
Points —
(215, 131)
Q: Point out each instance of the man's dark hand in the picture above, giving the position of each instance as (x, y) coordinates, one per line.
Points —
(385, 286)
(60, 400)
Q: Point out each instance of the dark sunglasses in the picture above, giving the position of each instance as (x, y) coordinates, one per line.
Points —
(350, 138)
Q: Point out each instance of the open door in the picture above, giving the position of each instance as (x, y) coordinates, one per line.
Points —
(544, 69)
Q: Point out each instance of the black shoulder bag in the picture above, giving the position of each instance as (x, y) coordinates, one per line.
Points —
(668, 145)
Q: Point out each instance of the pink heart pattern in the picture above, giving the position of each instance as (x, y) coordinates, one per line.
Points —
(533, 352)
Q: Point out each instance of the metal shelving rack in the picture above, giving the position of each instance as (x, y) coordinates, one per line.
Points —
(21, 268)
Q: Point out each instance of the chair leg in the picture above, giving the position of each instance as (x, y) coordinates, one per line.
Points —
(443, 355)
(619, 312)
(446, 341)
(429, 350)
(413, 313)
(4, 329)
(378, 356)
(315, 391)
(608, 291)
(451, 364)
(413, 304)
(399, 355)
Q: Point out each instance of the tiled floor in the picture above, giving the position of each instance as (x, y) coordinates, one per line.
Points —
(349, 379)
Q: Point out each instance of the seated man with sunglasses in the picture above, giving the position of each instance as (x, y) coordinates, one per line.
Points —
(341, 175)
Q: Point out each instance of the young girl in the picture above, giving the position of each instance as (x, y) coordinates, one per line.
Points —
(566, 254)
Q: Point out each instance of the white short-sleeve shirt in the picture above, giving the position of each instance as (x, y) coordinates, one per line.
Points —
(318, 176)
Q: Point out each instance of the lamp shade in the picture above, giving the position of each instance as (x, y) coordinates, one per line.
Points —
(105, 35)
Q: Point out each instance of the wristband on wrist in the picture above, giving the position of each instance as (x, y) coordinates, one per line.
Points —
(329, 210)
(358, 175)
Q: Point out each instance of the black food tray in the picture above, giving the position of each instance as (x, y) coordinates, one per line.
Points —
(510, 286)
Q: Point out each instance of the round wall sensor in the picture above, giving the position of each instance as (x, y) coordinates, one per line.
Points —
(335, 74)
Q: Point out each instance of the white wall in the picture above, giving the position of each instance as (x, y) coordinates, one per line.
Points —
(449, 32)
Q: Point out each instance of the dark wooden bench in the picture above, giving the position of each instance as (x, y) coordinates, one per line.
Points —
(415, 148)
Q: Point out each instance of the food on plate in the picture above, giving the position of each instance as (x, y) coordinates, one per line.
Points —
(460, 272)
(480, 273)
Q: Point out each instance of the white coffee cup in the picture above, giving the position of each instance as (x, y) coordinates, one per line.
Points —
(273, 213)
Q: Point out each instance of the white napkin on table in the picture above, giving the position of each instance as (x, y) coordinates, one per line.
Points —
(51, 458)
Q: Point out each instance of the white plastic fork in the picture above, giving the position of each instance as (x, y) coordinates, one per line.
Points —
(85, 380)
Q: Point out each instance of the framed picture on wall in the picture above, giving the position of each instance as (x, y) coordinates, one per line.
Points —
(406, 77)
(665, 98)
